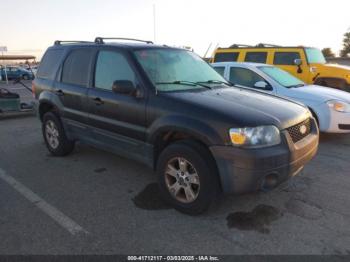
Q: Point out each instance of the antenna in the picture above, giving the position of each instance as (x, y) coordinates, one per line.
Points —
(207, 50)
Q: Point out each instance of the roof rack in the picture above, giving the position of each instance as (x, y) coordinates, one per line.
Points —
(59, 42)
(267, 45)
(99, 40)
(238, 45)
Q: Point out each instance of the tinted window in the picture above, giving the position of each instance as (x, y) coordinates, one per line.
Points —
(226, 57)
(112, 66)
(49, 64)
(285, 58)
(76, 67)
(244, 77)
(220, 70)
(256, 57)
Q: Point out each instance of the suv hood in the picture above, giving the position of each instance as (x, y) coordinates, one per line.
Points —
(333, 70)
(318, 94)
(244, 107)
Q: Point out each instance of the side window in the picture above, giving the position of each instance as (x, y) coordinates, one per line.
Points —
(220, 70)
(49, 64)
(76, 67)
(244, 77)
(226, 57)
(256, 57)
(285, 58)
(112, 66)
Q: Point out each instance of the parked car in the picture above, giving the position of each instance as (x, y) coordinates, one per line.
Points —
(306, 63)
(330, 107)
(169, 109)
(13, 72)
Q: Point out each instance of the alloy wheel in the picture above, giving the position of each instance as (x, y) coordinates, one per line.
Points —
(182, 180)
(52, 134)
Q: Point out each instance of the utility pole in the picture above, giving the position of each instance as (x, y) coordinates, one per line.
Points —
(4, 49)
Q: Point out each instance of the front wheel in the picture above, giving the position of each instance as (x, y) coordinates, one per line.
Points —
(187, 177)
(55, 138)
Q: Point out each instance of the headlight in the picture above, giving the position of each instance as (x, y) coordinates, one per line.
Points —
(260, 136)
(339, 106)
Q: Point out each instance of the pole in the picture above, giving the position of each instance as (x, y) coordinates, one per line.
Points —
(154, 23)
(7, 81)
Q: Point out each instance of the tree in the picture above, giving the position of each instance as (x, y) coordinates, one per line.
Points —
(346, 45)
(327, 52)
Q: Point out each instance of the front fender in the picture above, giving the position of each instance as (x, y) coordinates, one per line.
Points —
(191, 126)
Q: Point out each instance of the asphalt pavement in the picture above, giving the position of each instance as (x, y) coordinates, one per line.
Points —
(94, 202)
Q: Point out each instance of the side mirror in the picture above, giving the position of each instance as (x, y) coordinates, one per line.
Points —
(298, 62)
(125, 87)
(262, 85)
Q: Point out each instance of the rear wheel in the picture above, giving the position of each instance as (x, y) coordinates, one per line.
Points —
(55, 137)
(187, 177)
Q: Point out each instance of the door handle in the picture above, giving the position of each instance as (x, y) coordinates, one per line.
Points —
(59, 92)
(98, 101)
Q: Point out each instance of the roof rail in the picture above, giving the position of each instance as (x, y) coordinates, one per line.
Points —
(58, 42)
(99, 40)
(238, 45)
(267, 45)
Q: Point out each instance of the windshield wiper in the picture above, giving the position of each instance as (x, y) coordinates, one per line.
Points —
(217, 82)
(188, 83)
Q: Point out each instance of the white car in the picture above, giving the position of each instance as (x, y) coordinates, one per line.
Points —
(330, 107)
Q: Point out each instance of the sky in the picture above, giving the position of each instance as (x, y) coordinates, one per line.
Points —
(30, 26)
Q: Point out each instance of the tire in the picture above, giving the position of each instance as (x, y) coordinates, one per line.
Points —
(55, 137)
(201, 177)
(25, 77)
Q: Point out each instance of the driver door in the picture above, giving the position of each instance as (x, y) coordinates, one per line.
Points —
(286, 60)
(117, 120)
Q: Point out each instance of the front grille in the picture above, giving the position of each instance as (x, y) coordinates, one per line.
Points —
(296, 133)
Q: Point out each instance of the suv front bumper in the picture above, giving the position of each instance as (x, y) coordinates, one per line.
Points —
(244, 170)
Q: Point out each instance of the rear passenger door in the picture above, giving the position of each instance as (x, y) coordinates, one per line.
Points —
(117, 120)
(71, 88)
(256, 57)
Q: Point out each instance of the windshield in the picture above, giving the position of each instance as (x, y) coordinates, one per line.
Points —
(314, 56)
(281, 76)
(170, 69)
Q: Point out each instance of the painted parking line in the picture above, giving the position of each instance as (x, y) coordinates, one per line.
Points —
(64, 221)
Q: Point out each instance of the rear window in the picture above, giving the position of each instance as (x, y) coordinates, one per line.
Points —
(226, 57)
(76, 67)
(285, 58)
(256, 57)
(49, 64)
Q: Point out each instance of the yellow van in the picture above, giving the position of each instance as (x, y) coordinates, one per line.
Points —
(306, 63)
